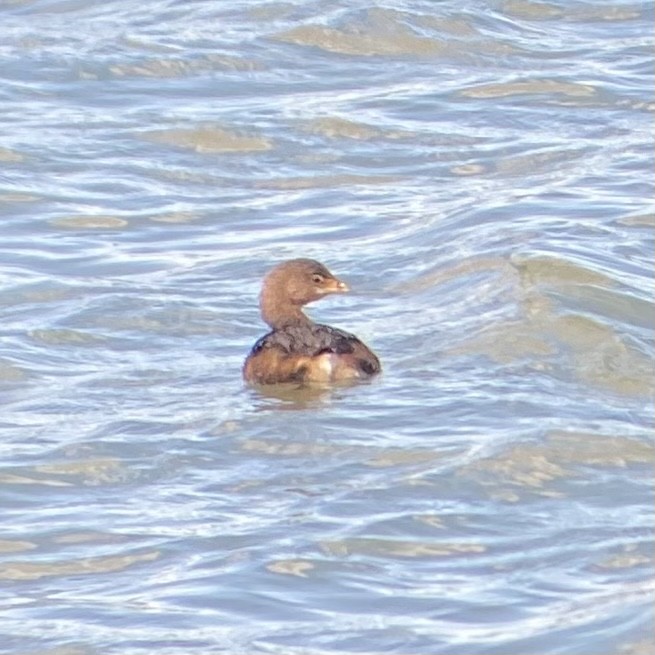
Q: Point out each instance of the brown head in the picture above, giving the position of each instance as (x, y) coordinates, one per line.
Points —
(292, 284)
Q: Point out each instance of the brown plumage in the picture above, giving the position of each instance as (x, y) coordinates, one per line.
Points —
(297, 349)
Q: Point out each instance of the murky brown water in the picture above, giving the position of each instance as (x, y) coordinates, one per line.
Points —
(480, 174)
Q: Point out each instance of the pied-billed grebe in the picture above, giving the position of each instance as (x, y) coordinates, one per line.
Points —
(297, 349)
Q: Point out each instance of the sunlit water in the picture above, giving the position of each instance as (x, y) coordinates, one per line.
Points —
(480, 174)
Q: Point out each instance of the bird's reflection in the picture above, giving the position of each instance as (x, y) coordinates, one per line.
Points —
(297, 396)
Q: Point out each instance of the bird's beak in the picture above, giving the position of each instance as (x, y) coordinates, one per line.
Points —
(335, 286)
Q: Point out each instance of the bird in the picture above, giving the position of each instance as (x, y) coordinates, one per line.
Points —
(298, 350)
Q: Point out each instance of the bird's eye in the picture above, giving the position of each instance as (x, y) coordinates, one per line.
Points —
(317, 279)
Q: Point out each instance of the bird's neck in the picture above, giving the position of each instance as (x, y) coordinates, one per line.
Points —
(279, 314)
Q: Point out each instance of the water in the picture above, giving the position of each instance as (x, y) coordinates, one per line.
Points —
(481, 176)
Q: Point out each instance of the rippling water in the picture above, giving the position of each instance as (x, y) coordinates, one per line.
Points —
(481, 175)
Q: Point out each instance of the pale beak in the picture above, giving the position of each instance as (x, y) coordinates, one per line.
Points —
(335, 286)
